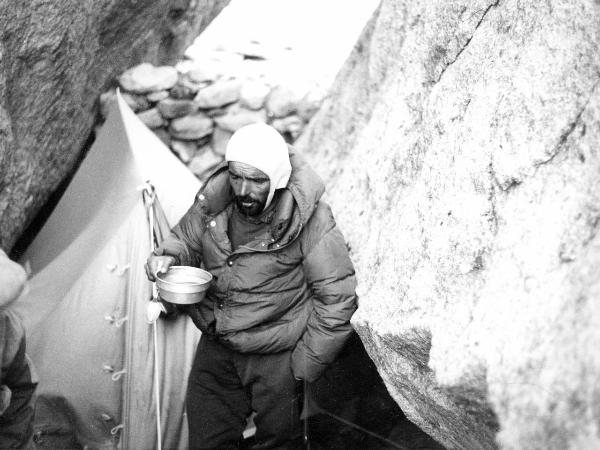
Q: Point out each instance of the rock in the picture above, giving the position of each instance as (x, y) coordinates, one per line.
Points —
(163, 135)
(57, 58)
(292, 125)
(106, 101)
(253, 94)
(207, 73)
(146, 78)
(218, 112)
(192, 127)
(310, 103)
(186, 150)
(136, 102)
(183, 91)
(204, 162)
(236, 117)
(460, 149)
(186, 89)
(219, 140)
(202, 142)
(152, 118)
(283, 100)
(171, 108)
(219, 94)
(155, 97)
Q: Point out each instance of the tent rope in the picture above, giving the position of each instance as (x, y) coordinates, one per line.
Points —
(149, 195)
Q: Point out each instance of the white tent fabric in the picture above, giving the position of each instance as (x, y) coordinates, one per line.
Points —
(84, 311)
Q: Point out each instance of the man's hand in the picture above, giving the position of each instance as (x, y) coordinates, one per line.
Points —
(158, 264)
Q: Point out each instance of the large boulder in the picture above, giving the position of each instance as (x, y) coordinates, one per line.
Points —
(461, 149)
(55, 59)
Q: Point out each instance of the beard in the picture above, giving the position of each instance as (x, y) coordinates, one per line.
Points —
(249, 206)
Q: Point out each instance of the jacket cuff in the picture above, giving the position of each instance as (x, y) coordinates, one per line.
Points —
(305, 367)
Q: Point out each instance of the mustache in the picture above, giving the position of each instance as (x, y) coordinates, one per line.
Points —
(245, 199)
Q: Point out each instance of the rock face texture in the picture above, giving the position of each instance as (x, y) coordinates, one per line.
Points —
(461, 147)
(55, 58)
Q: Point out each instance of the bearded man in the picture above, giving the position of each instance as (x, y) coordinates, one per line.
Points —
(278, 310)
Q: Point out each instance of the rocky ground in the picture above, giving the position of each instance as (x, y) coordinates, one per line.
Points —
(196, 107)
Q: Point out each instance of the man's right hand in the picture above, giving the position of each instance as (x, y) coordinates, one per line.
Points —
(158, 264)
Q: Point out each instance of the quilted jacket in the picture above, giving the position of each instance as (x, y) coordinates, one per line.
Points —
(291, 289)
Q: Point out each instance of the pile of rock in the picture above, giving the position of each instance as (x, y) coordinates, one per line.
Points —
(195, 108)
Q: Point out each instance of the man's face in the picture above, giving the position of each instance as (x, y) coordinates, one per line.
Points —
(250, 187)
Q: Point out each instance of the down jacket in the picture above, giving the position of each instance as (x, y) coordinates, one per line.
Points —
(291, 289)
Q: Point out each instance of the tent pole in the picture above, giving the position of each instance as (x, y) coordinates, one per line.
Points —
(156, 386)
(149, 190)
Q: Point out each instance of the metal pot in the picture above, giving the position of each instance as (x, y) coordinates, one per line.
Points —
(183, 284)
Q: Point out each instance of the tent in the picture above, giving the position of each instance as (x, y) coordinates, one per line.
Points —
(84, 312)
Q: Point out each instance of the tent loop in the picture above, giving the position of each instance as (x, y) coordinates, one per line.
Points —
(116, 429)
(117, 375)
(114, 268)
(114, 321)
(148, 194)
(121, 321)
(122, 270)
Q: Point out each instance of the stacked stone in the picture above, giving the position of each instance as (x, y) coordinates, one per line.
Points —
(196, 109)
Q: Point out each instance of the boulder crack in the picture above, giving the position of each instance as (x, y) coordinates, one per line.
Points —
(492, 214)
(571, 127)
(468, 41)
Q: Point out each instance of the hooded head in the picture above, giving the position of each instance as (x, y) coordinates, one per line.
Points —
(262, 147)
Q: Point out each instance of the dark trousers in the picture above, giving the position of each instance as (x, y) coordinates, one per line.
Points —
(226, 386)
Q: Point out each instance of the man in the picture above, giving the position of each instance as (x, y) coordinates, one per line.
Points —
(283, 292)
(17, 382)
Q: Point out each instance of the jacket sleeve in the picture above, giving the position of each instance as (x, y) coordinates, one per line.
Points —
(18, 385)
(330, 276)
(184, 241)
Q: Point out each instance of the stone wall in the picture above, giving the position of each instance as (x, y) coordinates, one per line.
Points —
(55, 59)
(461, 149)
(196, 107)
